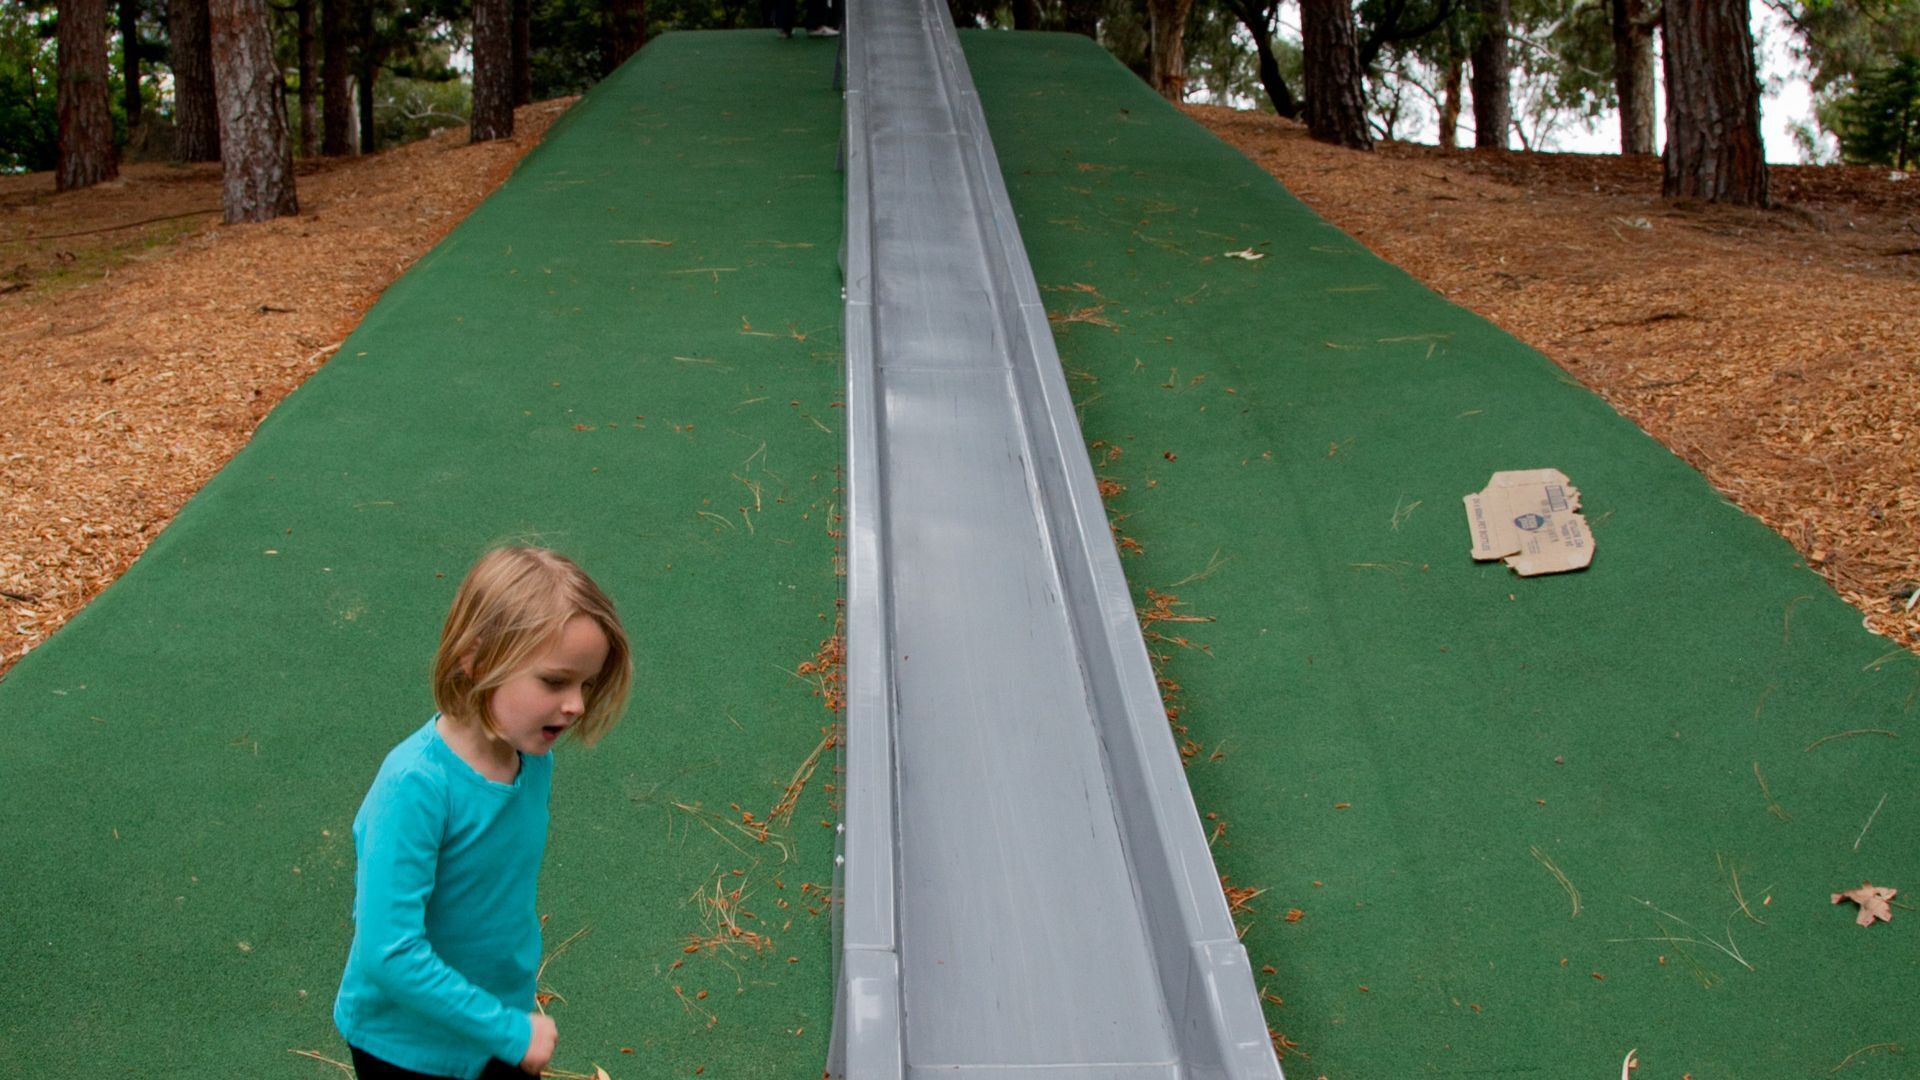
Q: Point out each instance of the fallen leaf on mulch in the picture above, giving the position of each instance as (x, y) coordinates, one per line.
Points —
(1872, 900)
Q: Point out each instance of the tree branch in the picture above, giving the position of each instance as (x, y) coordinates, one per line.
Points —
(1543, 50)
(1389, 31)
(111, 228)
(403, 111)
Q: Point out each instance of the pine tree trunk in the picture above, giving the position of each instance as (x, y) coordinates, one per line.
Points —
(1279, 94)
(1713, 104)
(309, 121)
(625, 25)
(1492, 74)
(335, 91)
(1450, 104)
(366, 74)
(1901, 157)
(363, 97)
(130, 56)
(196, 112)
(257, 155)
(86, 154)
(1633, 74)
(492, 70)
(1167, 47)
(522, 52)
(1335, 104)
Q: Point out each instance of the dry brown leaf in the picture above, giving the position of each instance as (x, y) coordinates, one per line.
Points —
(1873, 901)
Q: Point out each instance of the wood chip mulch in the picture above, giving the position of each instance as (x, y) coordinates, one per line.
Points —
(141, 340)
(1778, 351)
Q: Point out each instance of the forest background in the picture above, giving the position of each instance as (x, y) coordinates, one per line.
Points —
(404, 69)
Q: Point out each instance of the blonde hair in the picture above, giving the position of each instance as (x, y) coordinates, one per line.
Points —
(510, 609)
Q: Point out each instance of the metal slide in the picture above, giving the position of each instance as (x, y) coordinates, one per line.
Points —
(1027, 890)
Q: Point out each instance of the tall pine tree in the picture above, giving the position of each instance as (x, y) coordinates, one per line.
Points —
(492, 116)
(256, 155)
(1713, 104)
(196, 113)
(1335, 100)
(86, 154)
(1880, 120)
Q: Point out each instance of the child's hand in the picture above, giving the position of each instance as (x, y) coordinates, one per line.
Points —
(540, 1049)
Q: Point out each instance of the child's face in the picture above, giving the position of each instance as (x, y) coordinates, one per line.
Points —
(535, 707)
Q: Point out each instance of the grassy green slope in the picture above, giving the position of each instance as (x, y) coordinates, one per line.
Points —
(630, 352)
(1404, 745)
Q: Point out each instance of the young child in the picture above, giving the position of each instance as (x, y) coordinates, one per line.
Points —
(440, 980)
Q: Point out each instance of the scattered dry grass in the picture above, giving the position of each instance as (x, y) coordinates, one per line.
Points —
(729, 929)
(141, 341)
(1560, 876)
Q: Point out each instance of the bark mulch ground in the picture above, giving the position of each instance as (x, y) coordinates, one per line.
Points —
(142, 341)
(1777, 351)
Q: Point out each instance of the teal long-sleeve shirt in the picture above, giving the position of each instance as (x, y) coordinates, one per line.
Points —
(446, 937)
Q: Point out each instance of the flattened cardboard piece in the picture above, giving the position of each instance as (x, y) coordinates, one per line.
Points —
(1530, 518)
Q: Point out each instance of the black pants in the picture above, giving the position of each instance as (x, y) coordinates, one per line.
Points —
(368, 1067)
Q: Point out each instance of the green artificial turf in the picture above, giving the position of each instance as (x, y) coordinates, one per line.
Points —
(630, 352)
(1398, 740)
